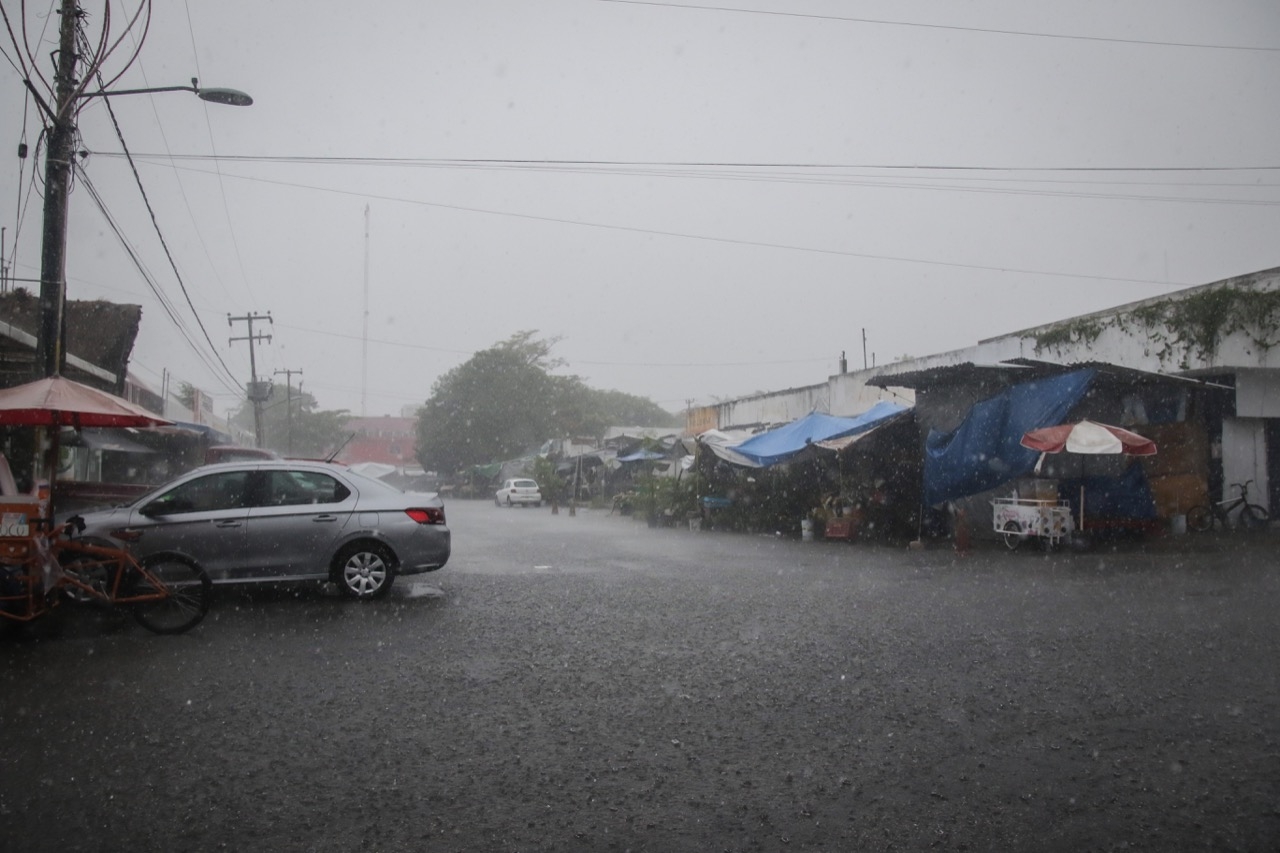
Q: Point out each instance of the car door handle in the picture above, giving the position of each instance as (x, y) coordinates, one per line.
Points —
(324, 518)
(227, 523)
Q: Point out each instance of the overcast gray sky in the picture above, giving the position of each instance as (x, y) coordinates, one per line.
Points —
(705, 201)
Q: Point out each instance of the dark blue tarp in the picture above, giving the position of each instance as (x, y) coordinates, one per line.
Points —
(779, 445)
(984, 451)
(1121, 498)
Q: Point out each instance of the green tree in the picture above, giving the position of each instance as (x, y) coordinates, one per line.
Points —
(187, 395)
(295, 426)
(503, 402)
(493, 406)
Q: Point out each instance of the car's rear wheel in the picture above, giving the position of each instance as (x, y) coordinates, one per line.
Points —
(364, 570)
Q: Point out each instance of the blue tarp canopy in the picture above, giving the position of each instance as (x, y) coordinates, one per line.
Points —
(779, 445)
(642, 456)
(984, 451)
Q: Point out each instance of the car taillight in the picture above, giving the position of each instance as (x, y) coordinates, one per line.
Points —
(429, 515)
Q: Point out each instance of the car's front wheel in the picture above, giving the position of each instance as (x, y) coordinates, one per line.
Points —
(364, 570)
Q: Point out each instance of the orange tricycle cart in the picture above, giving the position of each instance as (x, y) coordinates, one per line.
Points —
(43, 565)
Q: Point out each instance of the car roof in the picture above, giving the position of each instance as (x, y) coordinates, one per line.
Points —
(270, 465)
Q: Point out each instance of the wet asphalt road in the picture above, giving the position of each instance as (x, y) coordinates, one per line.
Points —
(585, 683)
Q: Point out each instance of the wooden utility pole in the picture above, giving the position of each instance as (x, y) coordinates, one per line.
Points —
(257, 391)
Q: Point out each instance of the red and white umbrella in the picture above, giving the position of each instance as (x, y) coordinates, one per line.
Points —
(1088, 437)
(56, 401)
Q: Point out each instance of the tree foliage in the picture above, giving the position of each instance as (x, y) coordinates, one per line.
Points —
(504, 402)
(292, 425)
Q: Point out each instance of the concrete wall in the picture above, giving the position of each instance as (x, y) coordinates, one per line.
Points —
(1244, 457)
(777, 408)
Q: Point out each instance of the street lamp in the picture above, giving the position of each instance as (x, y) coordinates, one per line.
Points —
(59, 151)
(230, 97)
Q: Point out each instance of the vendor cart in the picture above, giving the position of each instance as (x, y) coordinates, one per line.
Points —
(1019, 519)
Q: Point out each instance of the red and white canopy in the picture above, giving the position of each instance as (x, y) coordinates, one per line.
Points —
(1088, 437)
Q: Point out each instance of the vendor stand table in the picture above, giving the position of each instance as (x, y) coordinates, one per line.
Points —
(1019, 519)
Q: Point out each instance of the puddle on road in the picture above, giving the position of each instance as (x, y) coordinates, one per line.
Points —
(422, 590)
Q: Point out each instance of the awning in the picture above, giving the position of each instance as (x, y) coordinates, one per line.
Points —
(779, 445)
(845, 442)
(104, 439)
(642, 456)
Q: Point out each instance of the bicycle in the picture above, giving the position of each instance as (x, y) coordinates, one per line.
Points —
(1251, 516)
(167, 593)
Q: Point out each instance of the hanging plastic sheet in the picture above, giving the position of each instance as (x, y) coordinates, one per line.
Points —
(985, 450)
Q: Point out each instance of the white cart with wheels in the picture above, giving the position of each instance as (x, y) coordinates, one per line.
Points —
(1019, 519)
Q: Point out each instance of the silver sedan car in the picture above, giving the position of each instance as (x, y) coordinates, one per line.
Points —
(284, 521)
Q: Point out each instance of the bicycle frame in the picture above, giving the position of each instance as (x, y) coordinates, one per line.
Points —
(53, 565)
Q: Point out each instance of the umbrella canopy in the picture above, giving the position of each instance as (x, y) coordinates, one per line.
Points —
(1088, 437)
(57, 401)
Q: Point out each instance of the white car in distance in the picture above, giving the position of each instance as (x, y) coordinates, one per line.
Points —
(519, 491)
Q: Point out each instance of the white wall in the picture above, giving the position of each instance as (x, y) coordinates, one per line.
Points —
(779, 408)
(1244, 457)
(1258, 393)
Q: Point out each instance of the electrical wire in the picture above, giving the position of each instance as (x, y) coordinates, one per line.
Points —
(222, 189)
(716, 239)
(156, 225)
(951, 27)
(151, 282)
(469, 353)
(684, 164)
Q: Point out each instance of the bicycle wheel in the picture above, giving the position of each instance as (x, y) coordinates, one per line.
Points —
(1200, 519)
(184, 591)
(1253, 516)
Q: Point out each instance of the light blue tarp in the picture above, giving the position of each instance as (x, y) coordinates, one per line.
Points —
(779, 445)
(984, 451)
(642, 456)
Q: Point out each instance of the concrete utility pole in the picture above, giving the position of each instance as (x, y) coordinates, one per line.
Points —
(288, 402)
(258, 392)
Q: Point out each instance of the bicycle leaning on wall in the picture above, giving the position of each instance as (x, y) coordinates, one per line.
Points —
(1248, 516)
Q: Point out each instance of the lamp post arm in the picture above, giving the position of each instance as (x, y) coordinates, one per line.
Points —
(217, 95)
(109, 93)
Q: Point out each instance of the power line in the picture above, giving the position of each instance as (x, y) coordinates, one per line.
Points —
(676, 164)
(156, 225)
(385, 342)
(164, 301)
(951, 27)
(723, 240)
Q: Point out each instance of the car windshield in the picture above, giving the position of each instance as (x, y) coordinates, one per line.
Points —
(524, 484)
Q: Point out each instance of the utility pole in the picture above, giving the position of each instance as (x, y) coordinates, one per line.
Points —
(60, 148)
(258, 392)
(364, 349)
(288, 403)
(60, 151)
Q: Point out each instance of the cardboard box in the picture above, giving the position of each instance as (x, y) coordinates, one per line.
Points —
(1177, 493)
